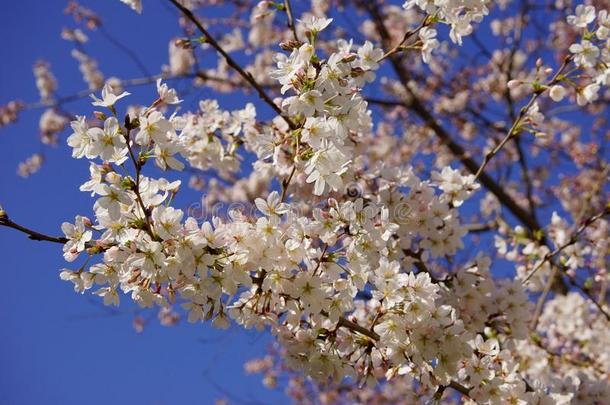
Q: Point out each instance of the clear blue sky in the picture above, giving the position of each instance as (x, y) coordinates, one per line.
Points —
(56, 346)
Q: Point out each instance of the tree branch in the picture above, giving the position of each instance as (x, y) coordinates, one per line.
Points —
(573, 239)
(415, 105)
(291, 25)
(514, 130)
(231, 62)
(34, 235)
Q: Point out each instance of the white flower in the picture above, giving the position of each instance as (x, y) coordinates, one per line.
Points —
(314, 24)
(585, 53)
(81, 139)
(167, 95)
(369, 56)
(164, 156)
(82, 280)
(315, 130)
(111, 199)
(603, 78)
(110, 296)
(306, 104)
(489, 347)
(289, 67)
(167, 221)
(326, 167)
(588, 94)
(149, 257)
(557, 93)
(307, 288)
(272, 206)
(584, 16)
(456, 186)
(460, 28)
(135, 5)
(428, 37)
(108, 97)
(603, 21)
(109, 144)
(78, 235)
(153, 126)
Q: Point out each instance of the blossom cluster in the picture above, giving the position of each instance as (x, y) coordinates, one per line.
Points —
(298, 275)
(340, 242)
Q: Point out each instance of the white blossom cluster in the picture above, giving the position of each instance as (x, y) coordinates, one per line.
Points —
(296, 274)
(591, 54)
(569, 354)
(339, 258)
(328, 102)
(45, 81)
(458, 14)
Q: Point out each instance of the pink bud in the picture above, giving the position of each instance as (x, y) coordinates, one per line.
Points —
(513, 84)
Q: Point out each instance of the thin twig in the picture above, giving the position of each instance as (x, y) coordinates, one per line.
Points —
(141, 81)
(286, 183)
(542, 299)
(585, 291)
(353, 326)
(290, 15)
(573, 239)
(231, 62)
(514, 130)
(405, 38)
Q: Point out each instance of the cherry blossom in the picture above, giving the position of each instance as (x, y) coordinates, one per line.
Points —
(342, 213)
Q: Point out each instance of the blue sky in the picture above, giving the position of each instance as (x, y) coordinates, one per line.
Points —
(57, 346)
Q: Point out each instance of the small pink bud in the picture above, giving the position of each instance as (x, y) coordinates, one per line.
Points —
(513, 84)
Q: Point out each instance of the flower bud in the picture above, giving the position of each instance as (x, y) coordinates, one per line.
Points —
(557, 93)
(87, 222)
(513, 84)
(183, 43)
(290, 45)
(99, 115)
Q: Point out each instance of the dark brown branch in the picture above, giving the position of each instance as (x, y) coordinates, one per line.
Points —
(290, 15)
(5, 221)
(346, 323)
(231, 62)
(460, 388)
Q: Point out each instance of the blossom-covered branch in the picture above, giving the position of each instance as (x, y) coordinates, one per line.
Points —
(338, 224)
